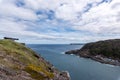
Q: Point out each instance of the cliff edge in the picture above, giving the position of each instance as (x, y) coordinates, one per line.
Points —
(17, 62)
(107, 51)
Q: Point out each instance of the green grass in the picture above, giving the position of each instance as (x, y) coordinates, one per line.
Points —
(35, 71)
(25, 58)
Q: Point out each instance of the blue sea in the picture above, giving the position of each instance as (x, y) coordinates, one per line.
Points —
(78, 67)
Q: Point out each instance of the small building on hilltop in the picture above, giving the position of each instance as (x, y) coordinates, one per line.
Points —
(13, 39)
(9, 38)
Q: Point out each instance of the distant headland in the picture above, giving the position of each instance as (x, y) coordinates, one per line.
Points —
(77, 43)
(107, 51)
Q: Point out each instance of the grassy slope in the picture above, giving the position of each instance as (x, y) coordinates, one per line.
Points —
(17, 57)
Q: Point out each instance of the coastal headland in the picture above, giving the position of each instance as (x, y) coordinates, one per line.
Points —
(107, 51)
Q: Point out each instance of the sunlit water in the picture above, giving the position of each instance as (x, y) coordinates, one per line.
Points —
(79, 68)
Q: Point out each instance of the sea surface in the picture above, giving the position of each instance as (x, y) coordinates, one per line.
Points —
(78, 67)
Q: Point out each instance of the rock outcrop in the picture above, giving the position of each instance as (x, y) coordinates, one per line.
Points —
(17, 62)
(107, 51)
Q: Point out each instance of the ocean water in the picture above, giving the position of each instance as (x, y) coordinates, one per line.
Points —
(78, 67)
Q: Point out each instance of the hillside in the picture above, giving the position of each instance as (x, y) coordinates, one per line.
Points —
(107, 51)
(17, 62)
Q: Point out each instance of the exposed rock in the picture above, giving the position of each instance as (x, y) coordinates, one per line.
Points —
(107, 51)
(63, 76)
(18, 62)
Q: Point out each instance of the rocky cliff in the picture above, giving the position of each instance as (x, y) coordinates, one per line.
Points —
(18, 62)
(107, 51)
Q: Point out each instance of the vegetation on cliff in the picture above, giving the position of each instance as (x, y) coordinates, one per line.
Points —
(108, 50)
(19, 62)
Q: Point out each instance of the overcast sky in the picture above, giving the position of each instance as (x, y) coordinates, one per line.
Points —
(60, 21)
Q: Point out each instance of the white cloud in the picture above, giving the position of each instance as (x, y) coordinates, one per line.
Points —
(100, 19)
(16, 29)
(9, 9)
(86, 16)
(11, 25)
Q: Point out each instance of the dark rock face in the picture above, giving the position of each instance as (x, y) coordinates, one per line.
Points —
(107, 51)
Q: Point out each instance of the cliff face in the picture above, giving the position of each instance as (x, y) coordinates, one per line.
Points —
(107, 51)
(18, 62)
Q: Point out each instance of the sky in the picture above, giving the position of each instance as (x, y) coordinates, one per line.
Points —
(60, 21)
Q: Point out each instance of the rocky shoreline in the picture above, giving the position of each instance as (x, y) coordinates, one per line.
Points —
(18, 62)
(98, 58)
(96, 51)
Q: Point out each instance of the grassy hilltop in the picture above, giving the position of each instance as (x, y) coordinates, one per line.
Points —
(18, 62)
